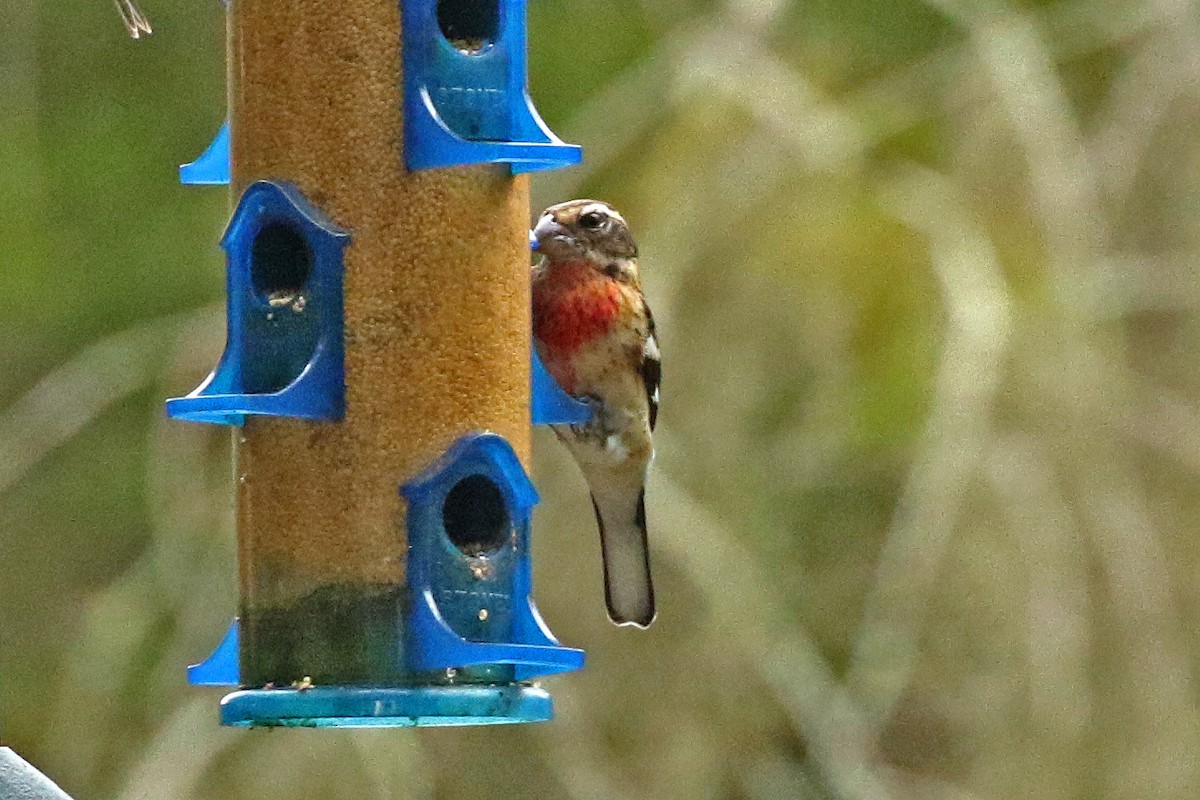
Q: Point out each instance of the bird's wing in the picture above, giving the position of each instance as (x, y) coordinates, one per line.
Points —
(651, 367)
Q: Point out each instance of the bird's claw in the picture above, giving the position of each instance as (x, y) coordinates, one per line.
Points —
(594, 427)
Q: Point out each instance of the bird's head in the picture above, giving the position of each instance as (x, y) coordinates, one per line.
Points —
(587, 230)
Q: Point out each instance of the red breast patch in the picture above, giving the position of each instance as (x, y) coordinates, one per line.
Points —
(572, 305)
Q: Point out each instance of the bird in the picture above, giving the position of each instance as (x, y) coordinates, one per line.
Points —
(135, 21)
(595, 335)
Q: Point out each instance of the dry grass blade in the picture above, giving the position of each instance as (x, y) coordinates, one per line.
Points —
(788, 661)
(622, 113)
(1063, 186)
(781, 99)
(193, 531)
(392, 767)
(183, 750)
(952, 446)
(1162, 72)
(1160, 737)
(72, 396)
(1060, 616)
(135, 21)
(571, 747)
(1166, 422)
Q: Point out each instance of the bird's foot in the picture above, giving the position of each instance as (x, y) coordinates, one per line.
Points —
(594, 428)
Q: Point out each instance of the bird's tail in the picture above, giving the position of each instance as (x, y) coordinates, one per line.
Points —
(628, 590)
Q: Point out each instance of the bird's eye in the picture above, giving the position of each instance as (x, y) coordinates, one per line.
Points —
(591, 220)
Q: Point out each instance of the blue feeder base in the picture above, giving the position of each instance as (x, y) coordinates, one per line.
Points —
(387, 707)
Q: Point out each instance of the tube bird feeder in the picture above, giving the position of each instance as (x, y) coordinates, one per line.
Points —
(378, 365)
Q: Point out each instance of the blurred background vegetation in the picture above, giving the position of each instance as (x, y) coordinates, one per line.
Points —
(924, 513)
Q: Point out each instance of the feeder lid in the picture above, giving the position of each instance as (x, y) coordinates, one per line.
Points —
(19, 780)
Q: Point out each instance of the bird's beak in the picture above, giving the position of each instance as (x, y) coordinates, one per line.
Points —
(545, 230)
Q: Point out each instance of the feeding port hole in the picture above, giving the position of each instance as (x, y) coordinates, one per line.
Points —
(280, 263)
(475, 516)
(469, 25)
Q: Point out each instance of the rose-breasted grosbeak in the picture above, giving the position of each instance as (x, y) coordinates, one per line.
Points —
(135, 21)
(595, 335)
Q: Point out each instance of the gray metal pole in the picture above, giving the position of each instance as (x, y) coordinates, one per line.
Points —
(20, 780)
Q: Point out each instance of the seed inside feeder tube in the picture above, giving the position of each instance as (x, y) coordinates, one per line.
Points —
(483, 614)
(295, 484)
(469, 45)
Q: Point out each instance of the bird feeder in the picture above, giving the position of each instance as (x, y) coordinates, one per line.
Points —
(378, 365)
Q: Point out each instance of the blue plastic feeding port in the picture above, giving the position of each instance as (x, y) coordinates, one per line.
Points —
(220, 668)
(284, 355)
(549, 404)
(465, 95)
(335, 707)
(212, 167)
(469, 569)
(472, 634)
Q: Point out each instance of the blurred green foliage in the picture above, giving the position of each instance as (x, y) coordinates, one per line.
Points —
(924, 509)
